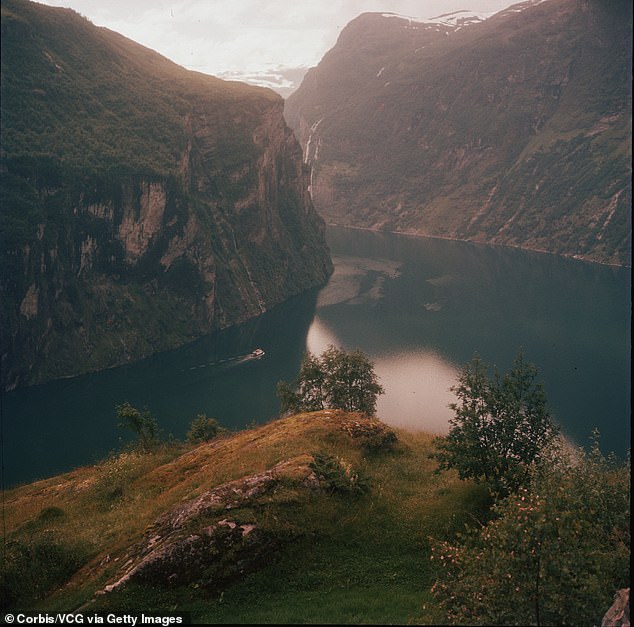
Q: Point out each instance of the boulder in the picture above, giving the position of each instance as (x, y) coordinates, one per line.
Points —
(619, 613)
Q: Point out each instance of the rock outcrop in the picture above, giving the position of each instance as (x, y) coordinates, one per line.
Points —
(200, 542)
(143, 205)
(619, 613)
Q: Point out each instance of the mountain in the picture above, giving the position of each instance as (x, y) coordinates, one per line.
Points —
(513, 130)
(143, 205)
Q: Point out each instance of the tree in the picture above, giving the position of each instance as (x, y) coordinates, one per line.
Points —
(141, 423)
(203, 429)
(554, 553)
(336, 380)
(500, 427)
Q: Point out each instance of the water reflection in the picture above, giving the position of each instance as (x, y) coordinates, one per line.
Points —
(417, 392)
(422, 308)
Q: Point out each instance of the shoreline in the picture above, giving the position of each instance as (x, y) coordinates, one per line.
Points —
(468, 241)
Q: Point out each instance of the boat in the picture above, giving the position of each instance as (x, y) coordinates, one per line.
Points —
(257, 353)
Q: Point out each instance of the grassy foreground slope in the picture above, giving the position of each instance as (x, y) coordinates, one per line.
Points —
(352, 549)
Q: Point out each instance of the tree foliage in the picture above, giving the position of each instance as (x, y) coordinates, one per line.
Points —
(500, 426)
(203, 429)
(337, 380)
(141, 423)
(554, 554)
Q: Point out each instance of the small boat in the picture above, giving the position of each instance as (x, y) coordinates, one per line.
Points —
(258, 352)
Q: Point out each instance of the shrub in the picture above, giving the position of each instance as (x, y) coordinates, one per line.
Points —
(337, 475)
(554, 554)
(142, 424)
(33, 568)
(203, 429)
(500, 427)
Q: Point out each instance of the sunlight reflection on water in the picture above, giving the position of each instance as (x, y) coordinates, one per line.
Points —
(416, 383)
(417, 394)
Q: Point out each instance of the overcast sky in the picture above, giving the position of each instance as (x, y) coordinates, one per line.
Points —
(249, 37)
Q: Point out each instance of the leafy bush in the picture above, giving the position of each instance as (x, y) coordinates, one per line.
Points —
(554, 554)
(32, 568)
(142, 424)
(337, 475)
(203, 429)
(500, 427)
(336, 380)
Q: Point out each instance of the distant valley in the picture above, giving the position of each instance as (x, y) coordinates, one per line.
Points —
(515, 130)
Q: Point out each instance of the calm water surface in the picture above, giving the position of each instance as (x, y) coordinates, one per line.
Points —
(420, 308)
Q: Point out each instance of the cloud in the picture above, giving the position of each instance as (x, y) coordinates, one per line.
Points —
(244, 37)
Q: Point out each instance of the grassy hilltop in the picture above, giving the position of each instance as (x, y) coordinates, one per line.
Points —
(355, 550)
(322, 517)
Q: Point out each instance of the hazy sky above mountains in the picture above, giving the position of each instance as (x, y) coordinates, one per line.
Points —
(249, 39)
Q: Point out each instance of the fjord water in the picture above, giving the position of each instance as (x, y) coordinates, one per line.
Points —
(419, 307)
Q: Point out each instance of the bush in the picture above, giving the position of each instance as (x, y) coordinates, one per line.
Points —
(142, 424)
(336, 380)
(554, 554)
(500, 427)
(33, 568)
(337, 475)
(203, 429)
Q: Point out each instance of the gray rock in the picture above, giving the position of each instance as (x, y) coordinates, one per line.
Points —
(189, 544)
(619, 613)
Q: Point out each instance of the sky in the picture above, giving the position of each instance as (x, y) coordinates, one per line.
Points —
(270, 42)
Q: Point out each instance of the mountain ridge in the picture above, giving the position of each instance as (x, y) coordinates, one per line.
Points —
(515, 130)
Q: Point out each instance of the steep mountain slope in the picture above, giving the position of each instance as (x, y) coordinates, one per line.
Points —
(143, 205)
(515, 130)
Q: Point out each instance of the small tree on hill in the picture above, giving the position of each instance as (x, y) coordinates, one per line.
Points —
(554, 553)
(336, 380)
(203, 429)
(141, 423)
(500, 427)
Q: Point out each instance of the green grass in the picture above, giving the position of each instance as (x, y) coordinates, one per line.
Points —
(343, 558)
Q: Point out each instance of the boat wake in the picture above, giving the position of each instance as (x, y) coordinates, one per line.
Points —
(258, 353)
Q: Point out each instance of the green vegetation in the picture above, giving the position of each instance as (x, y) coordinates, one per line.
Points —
(556, 543)
(554, 553)
(33, 567)
(337, 475)
(354, 552)
(203, 429)
(500, 428)
(141, 423)
(356, 525)
(337, 380)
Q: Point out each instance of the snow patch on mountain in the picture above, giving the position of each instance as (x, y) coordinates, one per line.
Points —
(458, 19)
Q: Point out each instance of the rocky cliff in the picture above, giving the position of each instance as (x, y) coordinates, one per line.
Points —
(514, 130)
(143, 205)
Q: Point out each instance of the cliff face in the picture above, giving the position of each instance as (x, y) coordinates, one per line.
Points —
(515, 130)
(143, 205)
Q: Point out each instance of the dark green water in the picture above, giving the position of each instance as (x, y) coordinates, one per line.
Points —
(419, 308)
